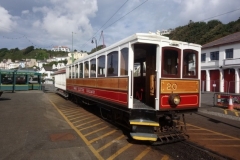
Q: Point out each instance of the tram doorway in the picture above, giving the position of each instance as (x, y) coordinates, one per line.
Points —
(144, 73)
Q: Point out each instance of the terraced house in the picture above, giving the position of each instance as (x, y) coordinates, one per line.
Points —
(220, 61)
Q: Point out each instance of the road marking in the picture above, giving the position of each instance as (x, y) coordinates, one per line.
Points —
(83, 119)
(236, 113)
(95, 139)
(218, 139)
(202, 133)
(119, 152)
(224, 145)
(72, 115)
(95, 131)
(79, 117)
(143, 153)
(68, 109)
(98, 156)
(216, 132)
(225, 111)
(90, 126)
(165, 157)
(108, 144)
(86, 123)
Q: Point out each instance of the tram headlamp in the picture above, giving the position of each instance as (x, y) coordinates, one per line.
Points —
(174, 99)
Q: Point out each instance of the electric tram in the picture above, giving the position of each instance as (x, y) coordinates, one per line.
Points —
(145, 82)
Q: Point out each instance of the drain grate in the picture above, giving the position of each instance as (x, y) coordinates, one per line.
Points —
(62, 137)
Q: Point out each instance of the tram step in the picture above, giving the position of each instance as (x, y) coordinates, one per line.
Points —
(143, 122)
(144, 136)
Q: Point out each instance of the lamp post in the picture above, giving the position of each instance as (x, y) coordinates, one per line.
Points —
(95, 41)
(72, 46)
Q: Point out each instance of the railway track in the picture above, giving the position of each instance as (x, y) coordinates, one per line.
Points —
(103, 136)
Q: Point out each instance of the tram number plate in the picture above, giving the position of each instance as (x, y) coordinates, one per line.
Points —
(179, 86)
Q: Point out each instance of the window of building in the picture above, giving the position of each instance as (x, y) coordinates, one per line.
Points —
(229, 53)
(101, 66)
(203, 57)
(190, 63)
(124, 61)
(112, 64)
(214, 55)
(93, 68)
(86, 69)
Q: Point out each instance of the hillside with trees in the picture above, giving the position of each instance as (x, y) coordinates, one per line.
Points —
(204, 32)
(28, 53)
(193, 32)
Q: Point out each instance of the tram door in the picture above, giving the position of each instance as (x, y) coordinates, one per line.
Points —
(144, 73)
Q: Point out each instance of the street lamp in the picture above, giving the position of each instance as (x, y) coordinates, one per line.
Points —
(95, 42)
(72, 46)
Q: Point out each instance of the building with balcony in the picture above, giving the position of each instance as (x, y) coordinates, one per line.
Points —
(220, 64)
(60, 48)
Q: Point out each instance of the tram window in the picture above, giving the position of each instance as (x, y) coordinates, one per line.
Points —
(70, 72)
(137, 70)
(81, 70)
(170, 62)
(112, 64)
(124, 61)
(101, 66)
(93, 68)
(190, 63)
(73, 72)
(76, 71)
(86, 69)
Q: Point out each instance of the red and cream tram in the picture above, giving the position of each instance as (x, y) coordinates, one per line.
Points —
(145, 82)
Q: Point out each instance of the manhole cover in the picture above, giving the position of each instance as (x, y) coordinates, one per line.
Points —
(62, 137)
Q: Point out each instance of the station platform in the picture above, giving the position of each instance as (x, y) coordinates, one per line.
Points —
(208, 107)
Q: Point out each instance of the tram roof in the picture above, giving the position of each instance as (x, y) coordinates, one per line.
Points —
(137, 36)
(23, 72)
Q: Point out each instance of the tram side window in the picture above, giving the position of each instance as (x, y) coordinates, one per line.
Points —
(139, 69)
(93, 68)
(76, 71)
(73, 72)
(86, 70)
(70, 72)
(190, 63)
(81, 70)
(124, 62)
(170, 62)
(6, 79)
(112, 64)
(101, 66)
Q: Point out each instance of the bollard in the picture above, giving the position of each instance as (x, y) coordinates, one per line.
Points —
(219, 99)
(230, 104)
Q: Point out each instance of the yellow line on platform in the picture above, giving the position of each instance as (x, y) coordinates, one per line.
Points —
(86, 123)
(78, 117)
(165, 157)
(90, 126)
(74, 114)
(216, 132)
(225, 111)
(236, 113)
(82, 119)
(108, 144)
(219, 139)
(119, 152)
(98, 156)
(95, 139)
(95, 131)
(224, 145)
(143, 153)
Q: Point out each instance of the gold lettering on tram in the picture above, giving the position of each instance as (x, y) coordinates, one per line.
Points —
(179, 86)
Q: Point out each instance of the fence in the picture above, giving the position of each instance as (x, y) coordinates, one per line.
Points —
(222, 100)
(228, 86)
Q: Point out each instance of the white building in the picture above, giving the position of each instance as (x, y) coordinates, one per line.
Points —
(75, 55)
(220, 62)
(60, 48)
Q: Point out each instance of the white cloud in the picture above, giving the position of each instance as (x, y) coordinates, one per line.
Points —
(6, 20)
(25, 12)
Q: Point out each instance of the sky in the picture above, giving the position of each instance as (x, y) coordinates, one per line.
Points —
(75, 23)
